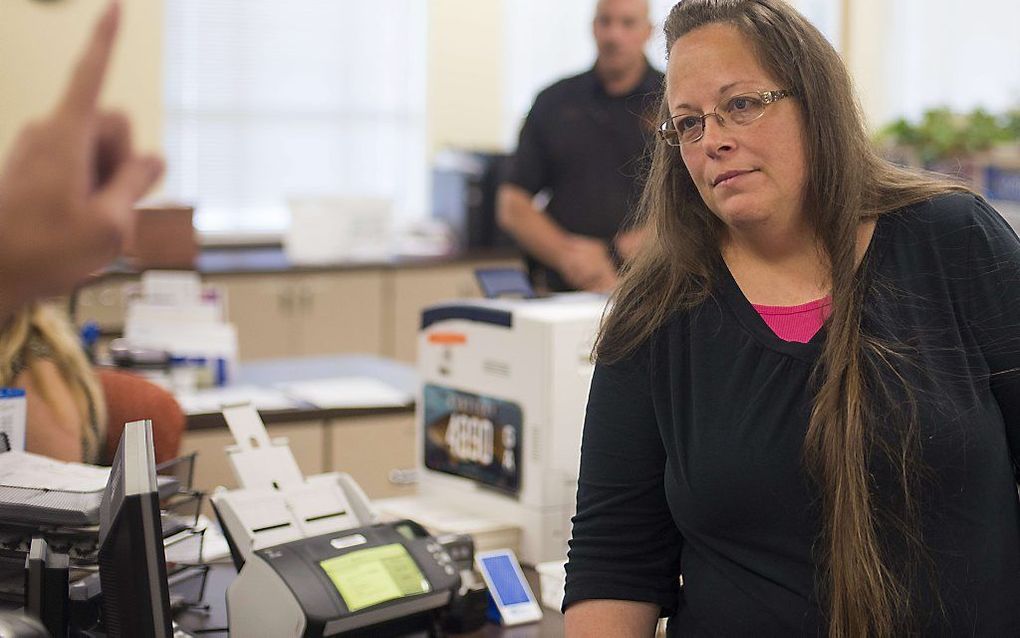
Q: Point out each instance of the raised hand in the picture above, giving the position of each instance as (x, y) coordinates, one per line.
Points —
(69, 185)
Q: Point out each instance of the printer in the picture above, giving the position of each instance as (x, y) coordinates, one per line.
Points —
(383, 580)
(504, 385)
(313, 560)
(275, 502)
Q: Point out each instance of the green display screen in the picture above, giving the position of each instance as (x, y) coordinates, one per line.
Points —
(375, 575)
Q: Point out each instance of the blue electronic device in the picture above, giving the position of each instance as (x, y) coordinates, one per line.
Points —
(511, 595)
(504, 282)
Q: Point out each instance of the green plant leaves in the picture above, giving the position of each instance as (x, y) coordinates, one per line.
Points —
(942, 134)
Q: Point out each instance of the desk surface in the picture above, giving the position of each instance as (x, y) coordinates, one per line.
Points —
(271, 372)
(221, 575)
(255, 260)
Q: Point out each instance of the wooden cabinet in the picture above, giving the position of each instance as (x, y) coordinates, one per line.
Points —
(104, 302)
(262, 310)
(413, 289)
(352, 310)
(289, 315)
(376, 450)
(213, 469)
(341, 313)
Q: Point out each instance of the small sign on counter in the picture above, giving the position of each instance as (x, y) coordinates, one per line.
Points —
(12, 419)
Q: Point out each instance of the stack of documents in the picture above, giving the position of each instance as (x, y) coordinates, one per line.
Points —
(347, 392)
(210, 400)
(440, 517)
(326, 394)
(37, 490)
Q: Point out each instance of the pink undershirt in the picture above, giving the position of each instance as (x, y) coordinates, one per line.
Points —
(796, 323)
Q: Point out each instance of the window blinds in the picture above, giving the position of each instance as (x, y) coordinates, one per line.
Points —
(266, 100)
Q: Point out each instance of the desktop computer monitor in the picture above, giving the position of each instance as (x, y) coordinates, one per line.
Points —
(132, 566)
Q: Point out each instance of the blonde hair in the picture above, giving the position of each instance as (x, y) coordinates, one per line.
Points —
(42, 322)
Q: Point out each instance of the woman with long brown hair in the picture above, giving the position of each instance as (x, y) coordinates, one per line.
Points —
(806, 400)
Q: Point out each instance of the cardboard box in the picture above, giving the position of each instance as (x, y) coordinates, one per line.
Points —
(164, 238)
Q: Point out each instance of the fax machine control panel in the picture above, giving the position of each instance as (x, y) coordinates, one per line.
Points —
(396, 566)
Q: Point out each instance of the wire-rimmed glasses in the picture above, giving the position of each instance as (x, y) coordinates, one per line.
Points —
(687, 128)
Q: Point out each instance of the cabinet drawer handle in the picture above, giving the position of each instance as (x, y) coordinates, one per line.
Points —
(285, 300)
(305, 299)
(403, 476)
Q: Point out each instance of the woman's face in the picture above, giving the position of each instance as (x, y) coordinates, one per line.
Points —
(752, 176)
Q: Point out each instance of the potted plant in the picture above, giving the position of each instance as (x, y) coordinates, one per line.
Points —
(958, 144)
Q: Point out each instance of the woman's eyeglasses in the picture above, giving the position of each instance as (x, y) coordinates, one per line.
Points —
(687, 128)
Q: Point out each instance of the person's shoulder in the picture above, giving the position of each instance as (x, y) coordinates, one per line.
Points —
(566, 88)
(951, 222)
(949, 212)
(942, 215)
(639, 352)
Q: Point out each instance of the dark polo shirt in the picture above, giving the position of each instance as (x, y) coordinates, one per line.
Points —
(588, 150)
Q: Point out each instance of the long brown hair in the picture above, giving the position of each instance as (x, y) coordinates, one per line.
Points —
(848, 183)
(40, 321)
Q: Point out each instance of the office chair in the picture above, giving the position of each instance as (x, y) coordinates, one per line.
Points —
(129, 397)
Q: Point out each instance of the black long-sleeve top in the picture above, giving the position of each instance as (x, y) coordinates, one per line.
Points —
(692, 455)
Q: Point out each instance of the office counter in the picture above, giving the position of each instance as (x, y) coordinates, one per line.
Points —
(269, 373)
(272, 259)
(374, 445)
(221, 575)
(286, 310)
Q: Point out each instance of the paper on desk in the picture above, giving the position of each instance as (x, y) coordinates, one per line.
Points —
(213, 399)
(214, 545)
(32, 471)
(347, 392)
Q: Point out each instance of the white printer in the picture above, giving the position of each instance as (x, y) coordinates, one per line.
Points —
(504, 385)
(275, 503)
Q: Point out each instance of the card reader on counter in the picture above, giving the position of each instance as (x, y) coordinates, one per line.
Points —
(382, 579)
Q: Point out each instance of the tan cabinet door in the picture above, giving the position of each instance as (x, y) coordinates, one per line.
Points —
(104, 303)
(416, 288)
(375, 450)
(339, 312)
(262, 308)
(212, 469)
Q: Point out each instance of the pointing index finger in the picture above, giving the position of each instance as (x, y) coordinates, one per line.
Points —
(83, 90)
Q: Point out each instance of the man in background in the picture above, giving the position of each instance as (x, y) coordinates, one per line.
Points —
(585, 142)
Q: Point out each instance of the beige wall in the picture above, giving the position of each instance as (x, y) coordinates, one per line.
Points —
(865, 35)
(465, 74)
(40, 41)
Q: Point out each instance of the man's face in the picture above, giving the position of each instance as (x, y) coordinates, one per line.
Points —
(621, 29)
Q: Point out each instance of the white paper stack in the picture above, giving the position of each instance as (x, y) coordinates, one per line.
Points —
(211, 400)
(347, 392)
(38, 490)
